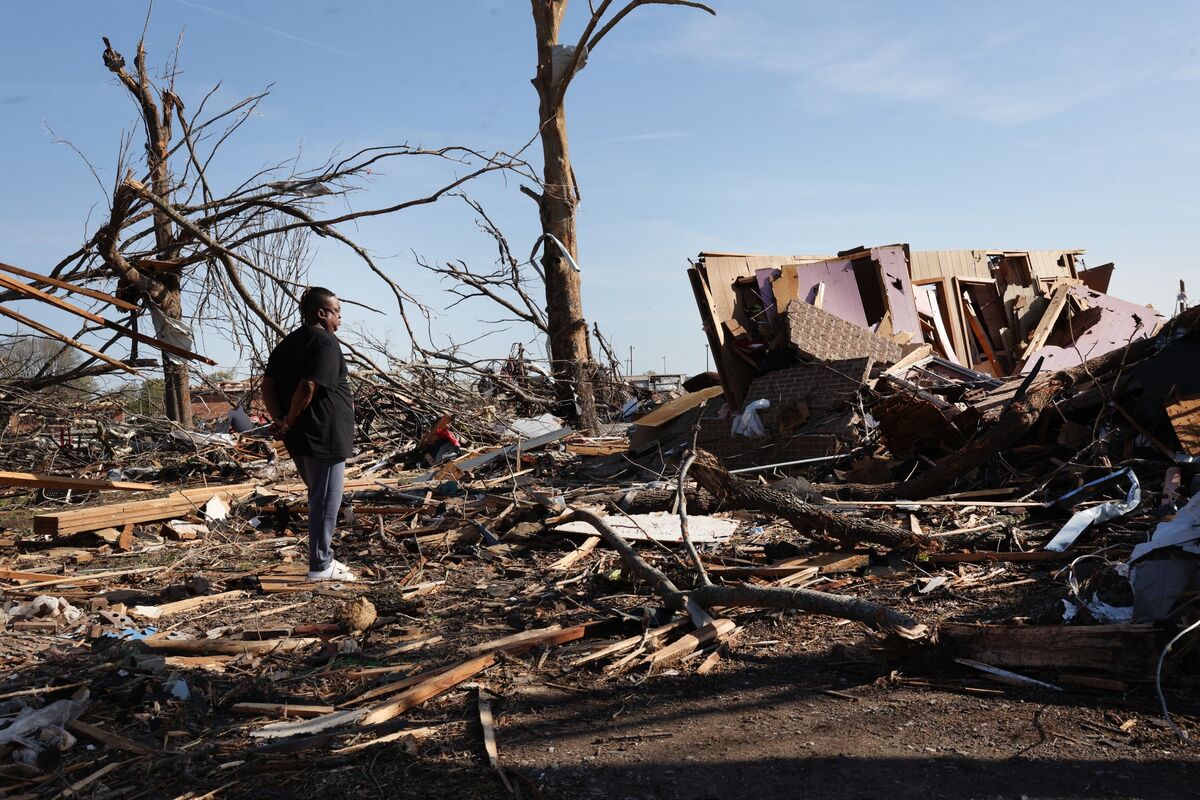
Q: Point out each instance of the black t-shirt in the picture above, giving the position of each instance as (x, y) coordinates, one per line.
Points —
(326, 428)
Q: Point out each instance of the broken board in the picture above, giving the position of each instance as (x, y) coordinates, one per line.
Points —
(660, 526)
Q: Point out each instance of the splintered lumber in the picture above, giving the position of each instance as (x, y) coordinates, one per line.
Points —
(114, 515)
(717, 630)
(871, 614)
(437, 682)
(226, 647)
(1019, 418)
(1109, 648)
(488, 725)
(191, 603)
(805, 517)
(633, 641)
(424, 691)
(53, 334)
(70, 288)
(525, 640)
(36, 481)
(110, 739)
(280, 710)
(120, 539)
(58, 302)
(417, 734)
(567, 561)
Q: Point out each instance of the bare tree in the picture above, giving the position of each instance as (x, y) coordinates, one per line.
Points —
(176, 243)
(559, 198)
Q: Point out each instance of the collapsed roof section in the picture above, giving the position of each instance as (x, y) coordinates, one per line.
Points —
(994, 311)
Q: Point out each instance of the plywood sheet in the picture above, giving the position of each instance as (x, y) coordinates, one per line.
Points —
(897, 285)
(669, 411)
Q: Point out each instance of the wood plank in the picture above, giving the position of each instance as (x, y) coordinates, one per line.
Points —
(115, 514)
(488, 725)
(70, 288)
(981, 338)
(280, 710)
(53, 334)
(38, 481)
(677, 407)
(717, 630)
(567, 561)
(225, 647)
(110, 739)
(519, 642)
(1045, 326)
(191, 603)
(427, 690)
(36, 294)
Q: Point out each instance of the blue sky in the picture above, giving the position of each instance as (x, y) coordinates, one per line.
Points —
(774, 127)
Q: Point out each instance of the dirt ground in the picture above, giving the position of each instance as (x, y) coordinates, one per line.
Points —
(798, 706)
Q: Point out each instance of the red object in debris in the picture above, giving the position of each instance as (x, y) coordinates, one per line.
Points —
(444, 432)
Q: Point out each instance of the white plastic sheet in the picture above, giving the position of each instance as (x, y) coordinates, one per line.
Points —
(747, 423)
(1101, 513)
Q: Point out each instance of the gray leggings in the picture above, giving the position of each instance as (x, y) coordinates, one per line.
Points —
(324, 478)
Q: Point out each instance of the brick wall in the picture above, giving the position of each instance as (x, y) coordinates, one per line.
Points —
(826, 388)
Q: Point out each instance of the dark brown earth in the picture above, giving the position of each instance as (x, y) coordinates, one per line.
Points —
(798, 706)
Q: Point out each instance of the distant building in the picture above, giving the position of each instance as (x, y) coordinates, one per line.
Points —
(655, 382)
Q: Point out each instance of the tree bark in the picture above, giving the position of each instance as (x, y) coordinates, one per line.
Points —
(813, 521)
(163, 289)
(570, 354)
(870, 614)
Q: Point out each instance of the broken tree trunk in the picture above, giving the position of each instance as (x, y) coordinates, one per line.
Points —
(569, 351)
(164, 288)
(870, 614)
(804, 517)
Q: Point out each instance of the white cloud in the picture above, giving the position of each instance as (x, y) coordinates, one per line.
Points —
(1017, 68)
(276, 31)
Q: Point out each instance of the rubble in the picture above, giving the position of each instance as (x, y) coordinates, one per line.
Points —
(1002, 521)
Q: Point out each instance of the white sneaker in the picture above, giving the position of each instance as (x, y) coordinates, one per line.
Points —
(334, 572)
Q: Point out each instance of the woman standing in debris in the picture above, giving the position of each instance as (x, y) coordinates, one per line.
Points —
(307, 393)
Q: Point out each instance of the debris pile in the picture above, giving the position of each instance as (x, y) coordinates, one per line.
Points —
(1017, 516)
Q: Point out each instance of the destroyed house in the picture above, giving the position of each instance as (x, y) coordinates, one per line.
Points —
(998, 312)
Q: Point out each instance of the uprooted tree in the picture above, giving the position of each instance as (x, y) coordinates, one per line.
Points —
(558, 200)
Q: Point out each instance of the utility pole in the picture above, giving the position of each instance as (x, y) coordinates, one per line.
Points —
(664, 365)
(706, 357)
(630, 360)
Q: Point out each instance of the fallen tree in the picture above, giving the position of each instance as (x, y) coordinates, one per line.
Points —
(810, 520)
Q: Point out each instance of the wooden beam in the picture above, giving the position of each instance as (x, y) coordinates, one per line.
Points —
(114, 515)
(1046, 324)
(36, 481)
(53, 334)
(982, 338)
(418, 694)
(36, 294)
(280, 710)
(70, 288)
(519, 642)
